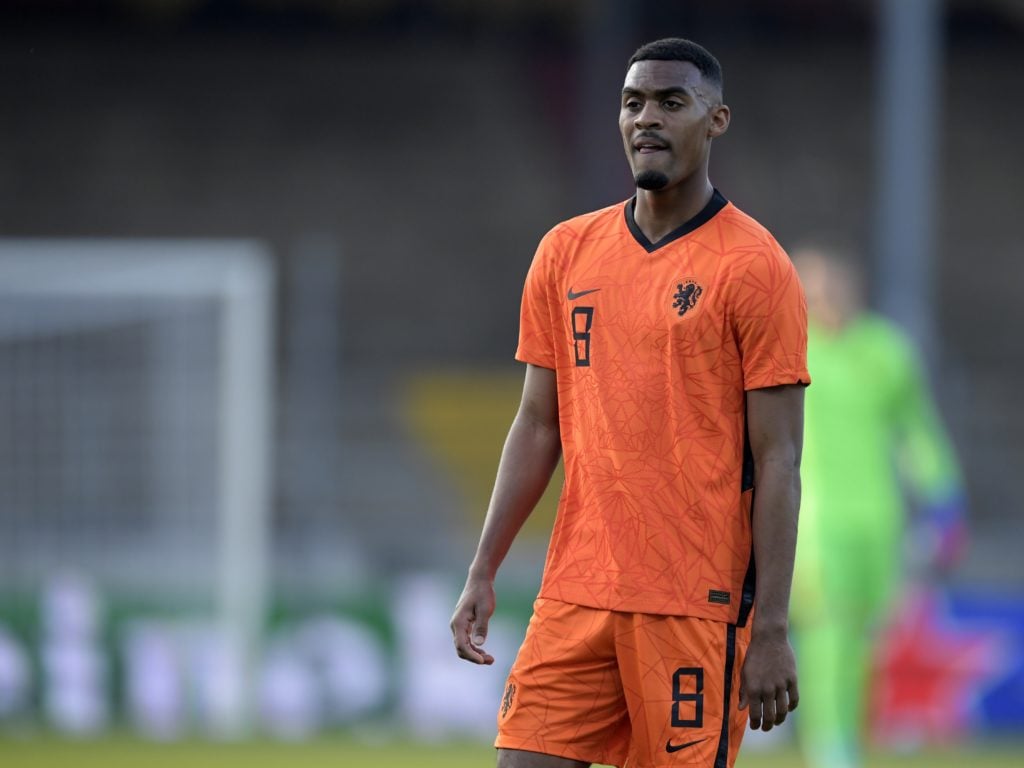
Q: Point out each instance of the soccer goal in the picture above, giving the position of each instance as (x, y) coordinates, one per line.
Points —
(136, 382)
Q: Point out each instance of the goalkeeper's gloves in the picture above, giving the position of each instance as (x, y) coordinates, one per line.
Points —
(942, 530)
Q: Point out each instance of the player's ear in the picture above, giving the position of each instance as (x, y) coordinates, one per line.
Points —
(720, 116)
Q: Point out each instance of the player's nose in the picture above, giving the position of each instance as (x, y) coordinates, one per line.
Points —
(648, 117)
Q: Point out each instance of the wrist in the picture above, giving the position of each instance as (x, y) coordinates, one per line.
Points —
(481, 571)
(769, 628)
(945, 510)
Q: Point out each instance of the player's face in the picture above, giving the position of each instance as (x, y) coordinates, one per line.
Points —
(833, 289)
(667, 118)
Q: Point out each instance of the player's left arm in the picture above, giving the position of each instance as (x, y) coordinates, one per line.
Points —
(768, 684)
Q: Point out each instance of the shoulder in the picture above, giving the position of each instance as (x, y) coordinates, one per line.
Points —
(749, 253)
(743, 232)
(587, 225)
(565, 240)
(753, 261)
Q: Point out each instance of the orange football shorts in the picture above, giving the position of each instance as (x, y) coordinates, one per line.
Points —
(625, 689)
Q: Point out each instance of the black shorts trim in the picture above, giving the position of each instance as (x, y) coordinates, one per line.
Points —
(722, 757)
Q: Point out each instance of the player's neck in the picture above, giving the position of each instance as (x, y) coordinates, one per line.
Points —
(659, 213)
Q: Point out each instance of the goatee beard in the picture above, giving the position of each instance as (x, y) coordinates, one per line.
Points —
(651, 180)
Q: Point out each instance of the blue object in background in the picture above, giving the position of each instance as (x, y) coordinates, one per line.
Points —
(1000, 708)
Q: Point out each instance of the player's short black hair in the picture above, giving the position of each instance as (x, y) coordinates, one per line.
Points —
(678, 49)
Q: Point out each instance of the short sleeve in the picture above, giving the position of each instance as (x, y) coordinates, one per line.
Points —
(771, 322)
(536, 335)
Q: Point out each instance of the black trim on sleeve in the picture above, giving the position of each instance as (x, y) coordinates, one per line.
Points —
(715, 204)
(722, 756)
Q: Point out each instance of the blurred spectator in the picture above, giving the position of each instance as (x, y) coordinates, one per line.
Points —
(155, 697)
(871, 432)
(15, 677)
(75, 670)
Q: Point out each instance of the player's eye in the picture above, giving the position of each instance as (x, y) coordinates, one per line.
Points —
(632, 104)
(672, 104)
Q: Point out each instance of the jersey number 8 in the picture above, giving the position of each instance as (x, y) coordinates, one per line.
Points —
(582, 319)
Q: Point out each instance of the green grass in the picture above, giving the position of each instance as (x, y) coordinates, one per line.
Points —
(129, 753)
(345, 753)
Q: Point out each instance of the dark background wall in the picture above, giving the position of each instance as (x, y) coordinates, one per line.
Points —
(402, 159)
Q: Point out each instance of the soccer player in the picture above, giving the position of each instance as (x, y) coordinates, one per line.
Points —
(665, 347)
(871, 423)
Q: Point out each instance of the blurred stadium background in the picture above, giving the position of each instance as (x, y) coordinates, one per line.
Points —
(260, 266)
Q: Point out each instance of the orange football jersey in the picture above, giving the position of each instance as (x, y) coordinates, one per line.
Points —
(654, 346)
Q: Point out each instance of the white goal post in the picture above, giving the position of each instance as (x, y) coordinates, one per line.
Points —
(112, 355)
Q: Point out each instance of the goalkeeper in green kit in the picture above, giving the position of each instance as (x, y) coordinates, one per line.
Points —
(871, 434)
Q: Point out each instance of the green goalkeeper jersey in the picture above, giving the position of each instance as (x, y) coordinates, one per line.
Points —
(871, 435)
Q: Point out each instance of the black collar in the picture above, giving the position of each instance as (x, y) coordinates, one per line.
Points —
(715, 204)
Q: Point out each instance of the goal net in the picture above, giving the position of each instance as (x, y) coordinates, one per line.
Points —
(135, 399)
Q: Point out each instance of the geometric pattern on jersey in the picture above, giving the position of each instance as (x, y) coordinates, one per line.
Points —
(654, 347)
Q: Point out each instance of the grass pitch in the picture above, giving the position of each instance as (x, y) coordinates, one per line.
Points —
(345, 753)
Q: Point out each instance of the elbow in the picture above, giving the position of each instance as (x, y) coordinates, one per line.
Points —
(779, 470)
(784, 460)
(540, 430)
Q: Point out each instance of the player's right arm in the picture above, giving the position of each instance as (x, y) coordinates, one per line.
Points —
(528, 460)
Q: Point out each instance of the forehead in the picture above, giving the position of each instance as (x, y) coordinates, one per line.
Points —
(650, 76)
(815, 265)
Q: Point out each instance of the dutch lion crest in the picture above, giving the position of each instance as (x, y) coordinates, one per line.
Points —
(686, 295)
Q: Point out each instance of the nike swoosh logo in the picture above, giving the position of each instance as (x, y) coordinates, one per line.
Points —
(574, 296)
(670, 747)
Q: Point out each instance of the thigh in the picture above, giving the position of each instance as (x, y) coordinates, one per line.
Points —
(564, 695)
(681, 680)
(516, 758)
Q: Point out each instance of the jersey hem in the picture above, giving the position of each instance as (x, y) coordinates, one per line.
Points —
(776, 380)
(533, 360)
(728, 616)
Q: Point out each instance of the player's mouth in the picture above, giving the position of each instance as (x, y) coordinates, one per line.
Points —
(648, 144)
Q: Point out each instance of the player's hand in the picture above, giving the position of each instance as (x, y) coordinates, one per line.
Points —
(768, 681)
(469, 622)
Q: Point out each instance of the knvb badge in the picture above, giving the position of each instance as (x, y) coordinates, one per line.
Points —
(686, 295)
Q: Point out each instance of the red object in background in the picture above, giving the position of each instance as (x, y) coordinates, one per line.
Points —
(929, 674)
